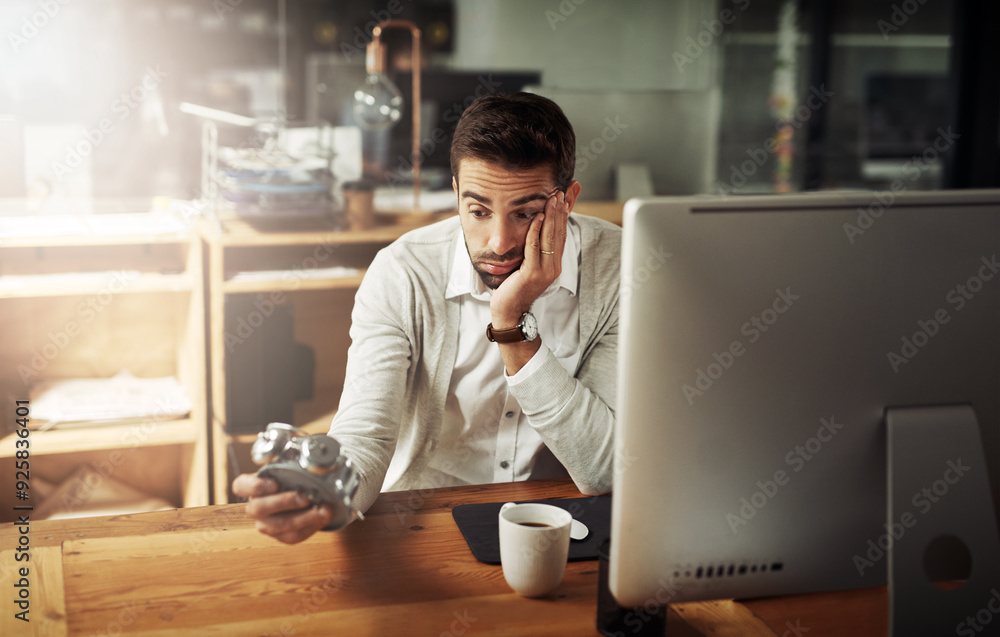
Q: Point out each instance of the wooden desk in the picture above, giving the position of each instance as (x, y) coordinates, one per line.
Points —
(406, 570)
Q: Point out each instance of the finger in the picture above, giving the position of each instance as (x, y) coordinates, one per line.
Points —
(532, 242)
(250, 485)
(295, 527)
(263, 507)
(292, 528)
(558, 217)
(563, 217)
(548, 239)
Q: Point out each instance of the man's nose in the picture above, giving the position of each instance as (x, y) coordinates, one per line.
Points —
(502, 237)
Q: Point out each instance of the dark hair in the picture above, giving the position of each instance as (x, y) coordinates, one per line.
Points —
(518, 132)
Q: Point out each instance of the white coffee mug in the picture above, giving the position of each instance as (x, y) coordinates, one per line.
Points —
(534, 546)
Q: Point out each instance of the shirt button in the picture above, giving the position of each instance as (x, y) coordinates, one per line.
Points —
(509, 414)
(504, 464)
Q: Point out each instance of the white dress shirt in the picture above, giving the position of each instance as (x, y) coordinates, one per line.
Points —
(484, 437)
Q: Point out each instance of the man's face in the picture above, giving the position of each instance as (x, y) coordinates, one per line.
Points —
(496, 207)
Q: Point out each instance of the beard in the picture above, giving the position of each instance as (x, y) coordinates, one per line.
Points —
(493, 281)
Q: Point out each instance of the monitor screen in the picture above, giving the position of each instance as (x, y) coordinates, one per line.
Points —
(762, 340)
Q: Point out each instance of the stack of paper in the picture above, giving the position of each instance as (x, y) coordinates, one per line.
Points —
(89, 401)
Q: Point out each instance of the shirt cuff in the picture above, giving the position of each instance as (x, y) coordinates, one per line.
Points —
(533, 364)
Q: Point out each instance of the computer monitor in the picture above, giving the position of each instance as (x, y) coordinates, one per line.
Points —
(763, 342)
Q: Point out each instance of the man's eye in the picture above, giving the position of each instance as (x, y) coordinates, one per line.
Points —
(478, 214)
(528, 216)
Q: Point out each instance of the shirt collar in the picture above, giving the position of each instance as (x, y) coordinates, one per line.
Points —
(465, 280)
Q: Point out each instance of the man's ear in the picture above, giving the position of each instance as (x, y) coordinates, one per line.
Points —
(454, 185)
(572, 192)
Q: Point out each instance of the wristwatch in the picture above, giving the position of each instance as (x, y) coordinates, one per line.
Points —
(526, 330)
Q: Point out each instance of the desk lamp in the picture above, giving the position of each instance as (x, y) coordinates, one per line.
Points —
(378, 102)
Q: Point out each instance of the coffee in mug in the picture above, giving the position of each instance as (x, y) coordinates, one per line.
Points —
(534, 546)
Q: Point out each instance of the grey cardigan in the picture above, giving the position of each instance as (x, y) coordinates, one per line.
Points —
(403, 351)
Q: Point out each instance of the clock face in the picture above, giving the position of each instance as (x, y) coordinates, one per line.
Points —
(529, 326)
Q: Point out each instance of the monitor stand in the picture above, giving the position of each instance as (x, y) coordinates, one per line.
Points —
(941, 525)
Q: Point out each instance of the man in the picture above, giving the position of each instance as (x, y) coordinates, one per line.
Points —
(484, 346)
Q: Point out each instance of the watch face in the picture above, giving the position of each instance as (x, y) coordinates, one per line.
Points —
(529, 326)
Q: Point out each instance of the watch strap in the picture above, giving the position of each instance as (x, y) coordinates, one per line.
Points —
(509, 335)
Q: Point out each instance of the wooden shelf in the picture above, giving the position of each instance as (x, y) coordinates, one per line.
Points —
(106, 437)
(290, 285)
(143, 274)
(62, 241)
(41, 285)
(240, 232)
(75, 230)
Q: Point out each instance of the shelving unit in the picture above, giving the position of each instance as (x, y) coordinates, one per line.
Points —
(84, 298)
(285, 263)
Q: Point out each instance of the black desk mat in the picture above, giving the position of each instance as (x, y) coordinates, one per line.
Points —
(478, 524)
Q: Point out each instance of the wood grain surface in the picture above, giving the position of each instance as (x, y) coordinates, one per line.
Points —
(405, 570)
